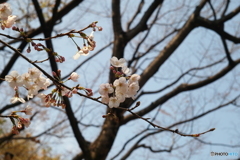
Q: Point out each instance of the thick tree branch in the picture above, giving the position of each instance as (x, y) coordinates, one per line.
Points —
(83, 144)
(47, 30)
(180, 77)
(218, 25)
(116, 17)
(167, 51)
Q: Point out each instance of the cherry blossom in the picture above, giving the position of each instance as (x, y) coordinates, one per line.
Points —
(79, 53)
(34, 73)
(91, 36)
(74, 77)
(27, 110)
(122, 88)
(17, 98)
(117, 63)
(134, 78)
(126, 70)
(113, 102)
(26, 80)
(120, 96)
(121, 85)
(46, 83)
(132, 89)
(32, 90)
(25, 121)
(5, 11)
(105, 89)
(14, 79)
(85, 50)
(10, 21)
(46, 99)
(105, 99)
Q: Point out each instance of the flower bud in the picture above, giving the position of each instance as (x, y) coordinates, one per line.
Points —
(99, 28)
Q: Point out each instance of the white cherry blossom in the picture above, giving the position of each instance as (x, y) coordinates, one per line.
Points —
(105, 99)
(120, 96)
(46, 83)
(91, 36)
(17, 98)
(10, 21)
(32, 90)
(117, 63)
(105, 89)
(74, 77)
(34, 73)
(79, 53)
(5, 11)
(28, 110)
(132, 89)
(126, 70)
(40, 82)
(121, 85)
(113, 102)
(26, 80)
(134, 78)
(14, 79)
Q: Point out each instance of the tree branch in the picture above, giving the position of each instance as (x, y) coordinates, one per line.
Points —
(140, 6)
(35, 32)
(83, 144)
(182, 88)
(142, 25)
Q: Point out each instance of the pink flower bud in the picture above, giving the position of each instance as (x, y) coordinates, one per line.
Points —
(89, 92)
(54, 74)
(29, 50)
(14, 28)
(25, 121)
(74, 91)
(62, 58)
(99, 28)
(59, 73)
(119, 73)
(93, 24)
(15, 130)
(33, 44)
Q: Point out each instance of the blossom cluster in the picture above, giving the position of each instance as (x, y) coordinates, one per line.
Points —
(124, 86)
(32, 81)
(55, 98)
(20, 120)
(91, 44)
(6, 17)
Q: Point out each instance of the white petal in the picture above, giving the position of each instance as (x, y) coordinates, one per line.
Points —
(76, 56)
